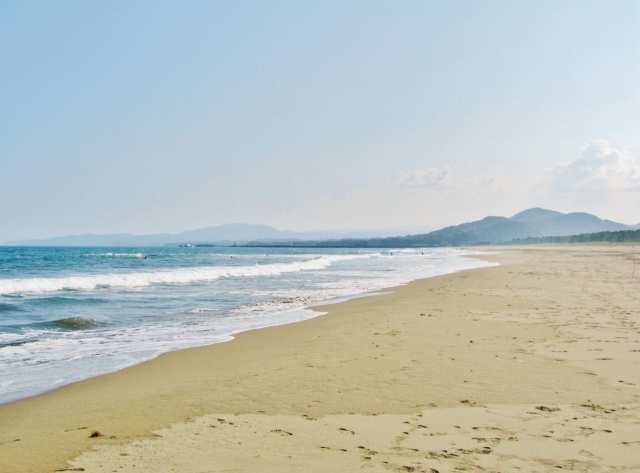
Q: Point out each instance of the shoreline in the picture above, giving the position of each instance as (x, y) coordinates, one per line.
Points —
(57, 375)
(315, 307)
(366, 356)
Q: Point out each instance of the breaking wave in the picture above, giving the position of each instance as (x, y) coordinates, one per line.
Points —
(75, 323)
(116, 255)
(177, 276)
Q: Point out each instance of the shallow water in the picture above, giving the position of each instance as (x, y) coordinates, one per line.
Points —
(67, 314)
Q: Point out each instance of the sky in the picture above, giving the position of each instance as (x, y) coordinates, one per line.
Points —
(155, 116)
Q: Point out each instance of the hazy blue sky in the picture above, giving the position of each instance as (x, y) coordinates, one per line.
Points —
(150, 116)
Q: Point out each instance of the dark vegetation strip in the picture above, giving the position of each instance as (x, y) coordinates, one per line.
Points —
(464, 239)
(623, 236)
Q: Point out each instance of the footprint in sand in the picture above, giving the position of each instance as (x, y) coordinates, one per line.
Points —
(281, 432)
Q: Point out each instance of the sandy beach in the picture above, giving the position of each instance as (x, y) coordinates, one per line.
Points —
(532, 365)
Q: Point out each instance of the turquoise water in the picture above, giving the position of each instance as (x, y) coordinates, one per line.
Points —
(67, 314)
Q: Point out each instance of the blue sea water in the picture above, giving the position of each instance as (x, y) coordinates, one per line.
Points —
(67, 314)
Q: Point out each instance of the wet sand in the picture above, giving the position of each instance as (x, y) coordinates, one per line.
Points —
(533, 365)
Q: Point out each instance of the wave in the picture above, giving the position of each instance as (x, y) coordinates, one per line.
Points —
(116, 255)
(5, 307)
(63, 301)
(177, 276)
(15, 344)
(75, 323)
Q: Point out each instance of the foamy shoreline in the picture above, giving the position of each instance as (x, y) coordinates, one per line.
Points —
(37, 358)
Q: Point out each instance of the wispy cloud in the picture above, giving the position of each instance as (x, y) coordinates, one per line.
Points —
(444, 177)
(600, 168)
(425, 178)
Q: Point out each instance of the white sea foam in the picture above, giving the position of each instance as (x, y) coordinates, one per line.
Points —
(116, 255)
(175, 276)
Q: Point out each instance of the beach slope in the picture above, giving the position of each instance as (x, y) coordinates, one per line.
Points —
(533, 364)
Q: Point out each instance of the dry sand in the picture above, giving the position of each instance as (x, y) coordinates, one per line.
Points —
(533, 365)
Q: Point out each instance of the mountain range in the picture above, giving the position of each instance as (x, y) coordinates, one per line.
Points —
(228, 234)
(531, 223)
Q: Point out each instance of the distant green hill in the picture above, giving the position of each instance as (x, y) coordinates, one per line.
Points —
(530, 224)
(535, 215)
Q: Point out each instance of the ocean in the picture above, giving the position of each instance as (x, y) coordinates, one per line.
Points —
(67, 314)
